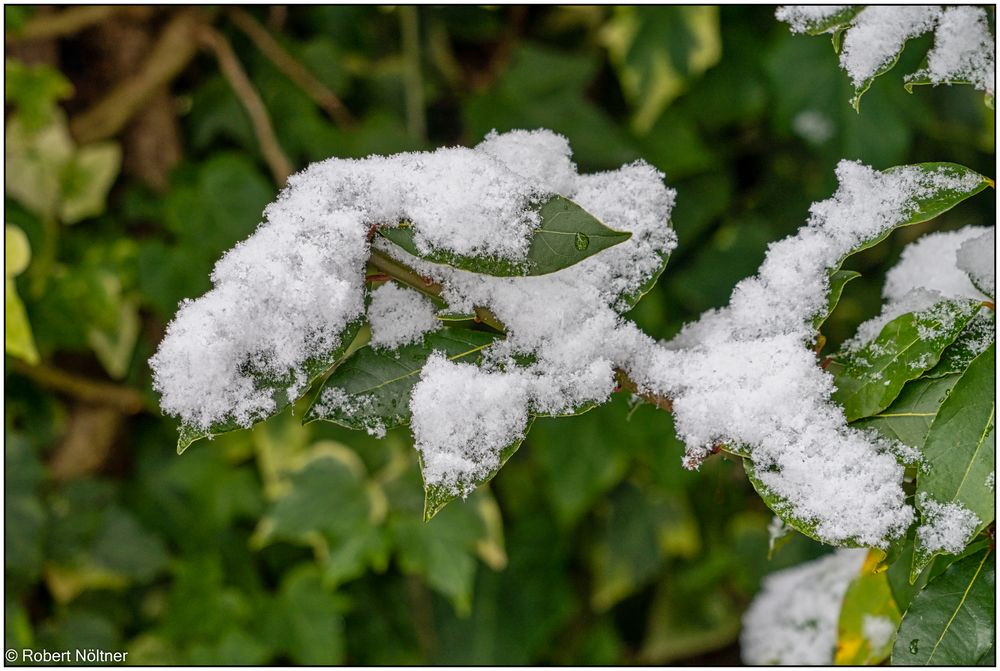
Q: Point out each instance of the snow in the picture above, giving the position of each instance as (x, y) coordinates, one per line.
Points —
(793, 619)
(399, 316)
(878, 33)
(800, 17)
(877, 630)
(813, 126)
(945, 527)
(743, 376)
(977, 257)
(963, 50)
(463, 417)
(926, 274)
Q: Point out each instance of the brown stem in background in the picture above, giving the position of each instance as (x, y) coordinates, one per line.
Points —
(127, 400)
(173, 50)
(404, 274)
(69, 21)
(279, 164)
(291, 68)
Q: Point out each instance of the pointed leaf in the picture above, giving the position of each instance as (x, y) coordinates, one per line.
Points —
(437, 497)
(87, 179)
(371, 389)
(953, 620)
(870, 378)
(838, 280)
(312, 369)
(960, 450)
(934, 203)
(970, 343)
(568, 234)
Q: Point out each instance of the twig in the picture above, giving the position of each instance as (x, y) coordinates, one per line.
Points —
(295, 71)
(402, 273)
(69, 21)
(413, 81)
(279, 164)
(127, 400)
(174, 48)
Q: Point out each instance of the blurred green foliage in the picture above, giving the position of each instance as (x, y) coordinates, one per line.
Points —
(305, 544)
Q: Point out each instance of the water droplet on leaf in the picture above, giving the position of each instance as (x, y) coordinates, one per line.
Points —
(582, 241)
(914, 646)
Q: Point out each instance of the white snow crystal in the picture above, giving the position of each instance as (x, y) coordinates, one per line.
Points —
(800, 17)
(878, 33)
(977, 257)
(877, 630)
(793, 619)
(463, 417)
(963, 50)
(945, 527)
(926, 274)
(813, 126)
(399, 316)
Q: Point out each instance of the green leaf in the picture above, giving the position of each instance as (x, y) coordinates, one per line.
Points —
(34, 161)
(34, 91)
(952, 621)
(629, 301)
(868, 611)
(898, 575)
(870, 378)
(909, 417)
(567, 235)
(960, 449)
(972, 342)
(310, 619)
(437, 497)
(18, 339)
(833, 23)
(373, 386)
(783, 509)
(838, 280)
(656, 51)
(313, 369)
(87, 179)
(927, 207)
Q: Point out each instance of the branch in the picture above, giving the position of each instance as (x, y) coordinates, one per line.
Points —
(126, 399)
(174, 49)
(295, 71)
(279, 164)
(406, 275)
(413, 81)
(69, 22)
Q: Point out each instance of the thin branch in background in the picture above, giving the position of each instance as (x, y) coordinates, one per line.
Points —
(295, 71)
(413, 81)
(279, 164)
(127, 400)
(173, 50)
(70, 21)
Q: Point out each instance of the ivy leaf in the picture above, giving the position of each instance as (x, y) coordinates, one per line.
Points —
(960, 449)
(868, 620)
(870, 378)
(437, 497)
(313, 369)
(87, 179)
(372, 387)
(838, 280)
(910, 416)
(929, 206)
(568, 234)
(656, 51)
(952, 621)
(34, 90)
